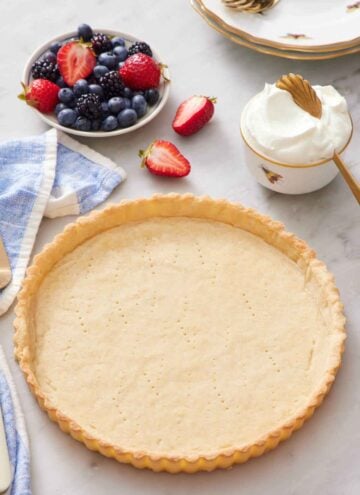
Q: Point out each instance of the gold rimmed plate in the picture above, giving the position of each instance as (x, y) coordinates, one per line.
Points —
(215, 23)
(305, 26)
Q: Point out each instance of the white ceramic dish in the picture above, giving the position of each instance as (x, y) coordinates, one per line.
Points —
(287, 178)
(51, 120)
(295, 54)
(324, 25)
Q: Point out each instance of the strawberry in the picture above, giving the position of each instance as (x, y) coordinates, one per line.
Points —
(41, 94)
(140, 72)
(193, 114)
(76, 61)
(163, 158)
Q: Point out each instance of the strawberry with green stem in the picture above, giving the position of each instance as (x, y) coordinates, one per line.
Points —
(41, 94)
(193, 114)
(141, 72)
(163, 158)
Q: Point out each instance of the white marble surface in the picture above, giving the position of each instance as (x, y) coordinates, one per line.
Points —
(323, 457)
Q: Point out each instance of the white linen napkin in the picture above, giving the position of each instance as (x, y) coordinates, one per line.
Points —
(52, 175)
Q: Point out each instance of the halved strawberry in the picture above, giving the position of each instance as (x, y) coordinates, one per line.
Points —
(193, 114)
(163, 158)
(76, 61)
(41, 94)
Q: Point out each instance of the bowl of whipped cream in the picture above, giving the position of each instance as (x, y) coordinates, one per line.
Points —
(286, 148)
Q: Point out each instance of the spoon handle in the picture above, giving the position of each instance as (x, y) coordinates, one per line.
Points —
(349, 178)
(5, 270)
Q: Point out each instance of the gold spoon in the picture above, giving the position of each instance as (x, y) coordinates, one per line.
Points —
(305, 97)
(5, 270)
(250, 6)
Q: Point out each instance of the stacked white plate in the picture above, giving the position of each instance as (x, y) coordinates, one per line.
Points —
(306, 30)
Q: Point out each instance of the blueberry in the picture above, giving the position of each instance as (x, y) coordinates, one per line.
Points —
(108, 59)
(127, 92)
(55, 47)
(66, 95)
(59, 107)
(85, 32)
(121, 64)
(117, 41)
(109, 124)
(138, 103)
(127, 117)
(66, 117)
(100, 70)
(152, 96)
(116, 104)
(105, 109)
(95, 125)
(49, 57)
(121, 53)
(96, 90)
(81, 87)
(82, 124)
(60, 82)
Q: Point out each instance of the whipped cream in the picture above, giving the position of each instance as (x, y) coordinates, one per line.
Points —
(275, 126)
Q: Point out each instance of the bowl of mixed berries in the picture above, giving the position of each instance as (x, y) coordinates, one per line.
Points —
(96, 83)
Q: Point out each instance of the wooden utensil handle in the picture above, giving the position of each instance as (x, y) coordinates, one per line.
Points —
(350, 179)
(5, 270)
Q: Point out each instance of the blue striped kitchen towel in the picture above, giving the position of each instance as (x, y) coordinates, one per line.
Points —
(15, 433)
(47, 175)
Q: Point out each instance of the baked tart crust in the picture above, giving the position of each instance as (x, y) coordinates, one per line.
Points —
(291, 348)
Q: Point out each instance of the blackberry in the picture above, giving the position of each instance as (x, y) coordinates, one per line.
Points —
(43, 69)
(111, 84)
(140, 47)
(89, 106)
(101, 43)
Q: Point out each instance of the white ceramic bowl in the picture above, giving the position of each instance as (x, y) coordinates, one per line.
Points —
(288, 178)
(51, 120)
